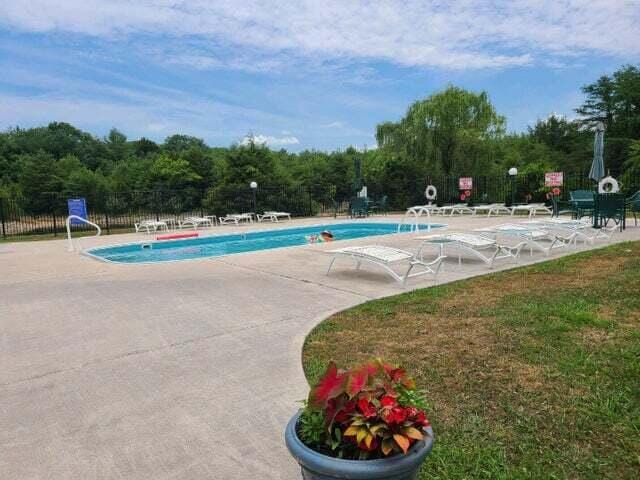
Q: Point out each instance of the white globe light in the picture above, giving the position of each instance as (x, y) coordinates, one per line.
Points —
(513, 171)
(253, 185)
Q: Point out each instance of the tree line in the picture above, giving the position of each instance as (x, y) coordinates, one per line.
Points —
(451, 132)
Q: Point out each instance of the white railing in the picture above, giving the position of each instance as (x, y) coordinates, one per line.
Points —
(414, 213)
(76, 217)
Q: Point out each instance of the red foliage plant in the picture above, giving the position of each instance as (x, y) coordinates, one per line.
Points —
(369, 411)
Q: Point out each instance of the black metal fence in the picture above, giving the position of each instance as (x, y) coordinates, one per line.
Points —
(118, 211)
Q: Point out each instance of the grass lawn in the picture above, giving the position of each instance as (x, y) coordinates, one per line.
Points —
(530, 373)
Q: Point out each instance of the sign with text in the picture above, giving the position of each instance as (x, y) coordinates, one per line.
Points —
(77, 207)
(553, 179)
(465, 183)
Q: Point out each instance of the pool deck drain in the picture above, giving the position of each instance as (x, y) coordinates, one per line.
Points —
(177, 370)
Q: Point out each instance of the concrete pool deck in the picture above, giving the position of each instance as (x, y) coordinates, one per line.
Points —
(183, 370)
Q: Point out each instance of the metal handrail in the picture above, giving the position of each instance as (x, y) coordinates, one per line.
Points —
(76, 217)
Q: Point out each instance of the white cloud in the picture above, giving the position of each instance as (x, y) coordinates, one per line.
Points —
(463, 34)
(271, 141)
(336, 124)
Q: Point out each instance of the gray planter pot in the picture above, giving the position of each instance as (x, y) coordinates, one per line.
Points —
(316, 466)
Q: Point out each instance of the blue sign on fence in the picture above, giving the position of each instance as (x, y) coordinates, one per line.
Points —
(78, 207)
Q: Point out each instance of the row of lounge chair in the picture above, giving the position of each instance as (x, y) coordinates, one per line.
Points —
(485, 244)
(491, 209)
(152, 226)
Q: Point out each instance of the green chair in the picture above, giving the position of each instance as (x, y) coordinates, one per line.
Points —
(633, 202)
(558, 207)
(359, 207)
(609, 206)
(381, 206)
(582, 203)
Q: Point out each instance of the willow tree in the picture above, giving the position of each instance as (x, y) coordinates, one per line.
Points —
(451, 131)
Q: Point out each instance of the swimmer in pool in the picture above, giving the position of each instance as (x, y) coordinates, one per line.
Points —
(325, 236)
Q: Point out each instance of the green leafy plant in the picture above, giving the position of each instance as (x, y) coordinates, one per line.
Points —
(369, 411)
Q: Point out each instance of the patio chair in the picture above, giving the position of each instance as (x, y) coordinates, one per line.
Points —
(385, 257)
(583, 230)
(460, 208)
(381, 206)
(531, 209)
(474, 244)
(610, 206)
(499, 208)
(419, 210)
(633, 203)
(533, 236)
(273, 216)
(150, 226)
(195, 222)
(359, 207)
(236, 218)
(483, 208)
(582, 203)
(558, 207)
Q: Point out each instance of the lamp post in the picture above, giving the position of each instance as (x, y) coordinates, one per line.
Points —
(513, 172)
(254, 186)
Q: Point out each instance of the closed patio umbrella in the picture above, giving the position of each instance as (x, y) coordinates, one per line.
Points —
(597, 167)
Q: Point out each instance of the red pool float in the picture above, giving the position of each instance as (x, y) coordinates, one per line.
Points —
(175, 236)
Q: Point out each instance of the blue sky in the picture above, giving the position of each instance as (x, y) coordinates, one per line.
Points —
(297, 75)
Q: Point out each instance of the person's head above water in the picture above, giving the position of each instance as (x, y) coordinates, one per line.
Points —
(326, 234)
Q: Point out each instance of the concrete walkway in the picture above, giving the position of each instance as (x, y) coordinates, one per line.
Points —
(186, 370)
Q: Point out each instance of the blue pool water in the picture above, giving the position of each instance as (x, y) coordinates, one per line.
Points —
(215, 246)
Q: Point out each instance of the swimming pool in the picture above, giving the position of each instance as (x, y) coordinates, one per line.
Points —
(220, 245)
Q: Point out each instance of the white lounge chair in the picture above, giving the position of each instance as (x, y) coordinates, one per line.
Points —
(385, 257)
(236, 218)
(532, 209)
(485, 208)
(583, 229)
(535, 237)
(273, 216)
(460, 208)
(497, 209)
(419, 210)
(195, 222)
(474, 244)
(150, 226)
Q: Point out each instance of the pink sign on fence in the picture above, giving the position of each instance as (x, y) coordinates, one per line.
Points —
(553, 179)
(465, 183)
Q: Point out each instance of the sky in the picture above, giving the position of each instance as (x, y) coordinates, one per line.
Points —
(298, 74)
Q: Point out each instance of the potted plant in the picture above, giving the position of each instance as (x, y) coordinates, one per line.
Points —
(367, 422)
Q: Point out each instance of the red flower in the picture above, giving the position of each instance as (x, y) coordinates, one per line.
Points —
(367, 408)
(421, 419)
(467, 193)
(388, 401)
(400, 414)
(411, 412)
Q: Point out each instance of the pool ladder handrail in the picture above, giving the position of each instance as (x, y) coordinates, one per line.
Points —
(68, 223)
(416, 214)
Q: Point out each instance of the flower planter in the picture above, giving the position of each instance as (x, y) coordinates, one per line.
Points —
(316, 466)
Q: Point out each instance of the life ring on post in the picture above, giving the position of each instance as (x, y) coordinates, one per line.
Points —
(608, 185)
(431, 193)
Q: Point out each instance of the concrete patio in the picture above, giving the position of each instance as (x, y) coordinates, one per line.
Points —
(183, 370)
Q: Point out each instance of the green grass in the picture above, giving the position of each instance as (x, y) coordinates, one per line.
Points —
(538, 385)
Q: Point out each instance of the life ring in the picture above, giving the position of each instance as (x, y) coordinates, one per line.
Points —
(431, 192)
(608, 185)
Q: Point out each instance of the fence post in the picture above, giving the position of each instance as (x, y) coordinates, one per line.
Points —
(53, 213)
(106, 217)
(4, 230)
